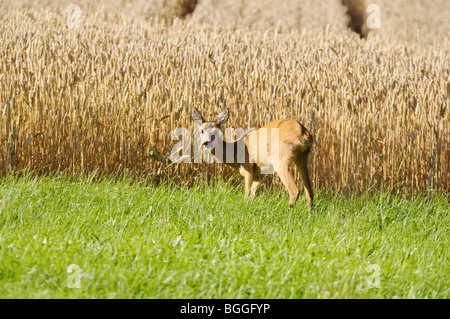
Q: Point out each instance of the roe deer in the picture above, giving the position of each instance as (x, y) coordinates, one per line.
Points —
(275, 146)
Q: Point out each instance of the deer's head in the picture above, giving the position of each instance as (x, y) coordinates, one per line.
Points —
(210, 131)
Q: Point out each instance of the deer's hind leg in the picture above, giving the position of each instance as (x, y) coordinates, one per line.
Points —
(301, 163)
(286, 176)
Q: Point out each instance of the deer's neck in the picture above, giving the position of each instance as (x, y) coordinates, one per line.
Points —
(230, 153)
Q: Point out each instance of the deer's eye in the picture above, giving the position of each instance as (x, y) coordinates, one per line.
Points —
(201, 131)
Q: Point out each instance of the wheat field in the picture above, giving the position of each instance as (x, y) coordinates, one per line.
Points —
(103, 90)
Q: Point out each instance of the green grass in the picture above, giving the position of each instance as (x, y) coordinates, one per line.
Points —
(131, 241)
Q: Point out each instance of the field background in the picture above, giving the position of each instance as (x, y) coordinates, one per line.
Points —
(86, 116)
(106, 96)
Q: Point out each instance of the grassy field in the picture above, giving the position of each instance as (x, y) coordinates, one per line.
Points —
(132, 240)
(107, 94)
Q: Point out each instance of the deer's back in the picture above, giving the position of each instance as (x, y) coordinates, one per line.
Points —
(293, 138)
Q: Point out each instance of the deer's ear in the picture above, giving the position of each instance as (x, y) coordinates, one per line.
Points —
(223, 117)
(196, 115)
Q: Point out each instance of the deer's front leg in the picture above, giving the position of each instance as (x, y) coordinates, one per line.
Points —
(248, 176)
(255, 185)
